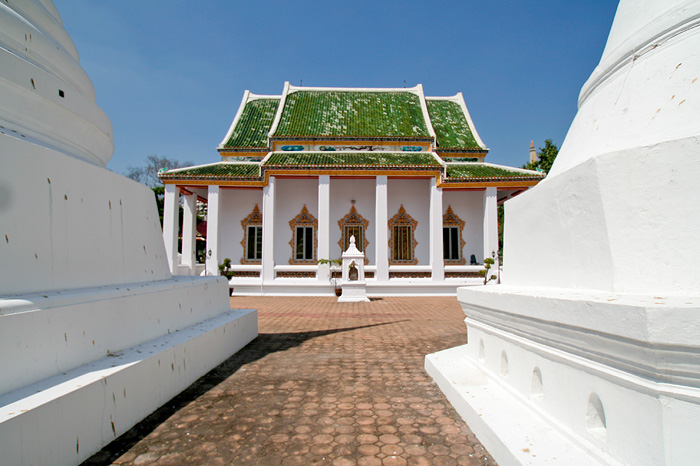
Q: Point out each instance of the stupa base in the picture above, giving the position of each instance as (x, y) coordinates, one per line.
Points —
(118, 354)
(576, 377)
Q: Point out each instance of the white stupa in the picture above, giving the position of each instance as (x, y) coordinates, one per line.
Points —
(589, 351)
(95, 333)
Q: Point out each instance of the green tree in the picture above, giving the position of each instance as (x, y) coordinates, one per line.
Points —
(148, 175)
(545, 157)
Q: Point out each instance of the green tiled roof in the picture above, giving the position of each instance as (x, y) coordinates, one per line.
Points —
(481, 172)
(451, 127)
(352, 159)
(352, 114)
(225, 170)
(254, 124)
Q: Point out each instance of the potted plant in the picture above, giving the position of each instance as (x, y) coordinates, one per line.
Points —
(225, 269)
(335, 281)
(488, 262)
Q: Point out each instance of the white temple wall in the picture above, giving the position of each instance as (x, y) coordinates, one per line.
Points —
(237, 204)
(291, 196)
(414, 194)
(343, 191)
(469, 207)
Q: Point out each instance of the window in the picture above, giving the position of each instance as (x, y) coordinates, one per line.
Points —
(452, 242)
(350, 231)
(353, 224)
(402, 250)
(252, 237)
(402, 242)
(304, 239)
(254, 244)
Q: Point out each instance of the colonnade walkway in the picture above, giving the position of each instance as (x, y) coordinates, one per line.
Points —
(325, 383)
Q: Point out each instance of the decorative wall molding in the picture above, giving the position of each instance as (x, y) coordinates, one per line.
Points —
(353, 218)
(253, 219)
(450, 219)
(303, 219)
(403, 219)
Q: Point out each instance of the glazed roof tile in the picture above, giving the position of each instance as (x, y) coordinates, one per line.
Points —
(255, 121)
(338, 114)
(451, 126)
(378, 159)
(220, 170)
(473, 171)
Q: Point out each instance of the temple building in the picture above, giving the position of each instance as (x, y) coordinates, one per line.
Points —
(302, 172)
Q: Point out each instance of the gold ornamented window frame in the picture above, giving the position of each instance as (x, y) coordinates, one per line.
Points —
(254, 219)
(450, 219)
(304, 219)
(403, 219)
(353, 218)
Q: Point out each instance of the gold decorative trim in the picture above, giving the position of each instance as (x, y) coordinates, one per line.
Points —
(303, 219)
(253, 219)
(402, 219)
(351, 219)
(450, 219)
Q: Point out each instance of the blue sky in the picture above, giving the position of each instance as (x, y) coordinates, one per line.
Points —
(171, 74)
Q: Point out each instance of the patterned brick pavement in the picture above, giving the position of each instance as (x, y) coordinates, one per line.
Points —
(325, 383)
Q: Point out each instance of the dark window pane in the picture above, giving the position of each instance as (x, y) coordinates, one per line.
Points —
(446, 243)
(258, 243)
(299, 243)
(250, 249)
(454, 243)
(309, 244)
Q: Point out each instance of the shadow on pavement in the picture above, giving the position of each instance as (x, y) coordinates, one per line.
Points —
(264, 344)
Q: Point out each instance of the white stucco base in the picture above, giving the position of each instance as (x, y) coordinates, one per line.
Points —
(117, 354)
(312, 287)
(354, 292)
(503, 421)
(606, 378)
(66, 418)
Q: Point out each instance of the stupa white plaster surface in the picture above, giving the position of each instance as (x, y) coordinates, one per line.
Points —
(588, 352)
(95, 333)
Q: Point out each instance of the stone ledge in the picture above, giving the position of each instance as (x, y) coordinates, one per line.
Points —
(66, 418)
(511, 431)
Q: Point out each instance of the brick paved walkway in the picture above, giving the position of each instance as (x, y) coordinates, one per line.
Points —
(325, 383)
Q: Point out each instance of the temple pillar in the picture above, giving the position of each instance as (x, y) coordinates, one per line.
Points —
(268, 219)
(437, 261)
(170, 224)
(381, 228)
(189, 231)
(491, 224)
(324, 223)
(213, 212)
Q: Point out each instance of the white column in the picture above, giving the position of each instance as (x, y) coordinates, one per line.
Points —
(437, 262)
(189, 229)
(324, 226)
(491, 223)
(170, 224)
(381, 200)
(268, 252)
(213, 211)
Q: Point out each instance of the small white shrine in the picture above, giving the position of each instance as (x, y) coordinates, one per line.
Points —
(587, 354)
(353, 281)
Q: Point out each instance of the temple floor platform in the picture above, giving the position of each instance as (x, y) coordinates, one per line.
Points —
(325, 383)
